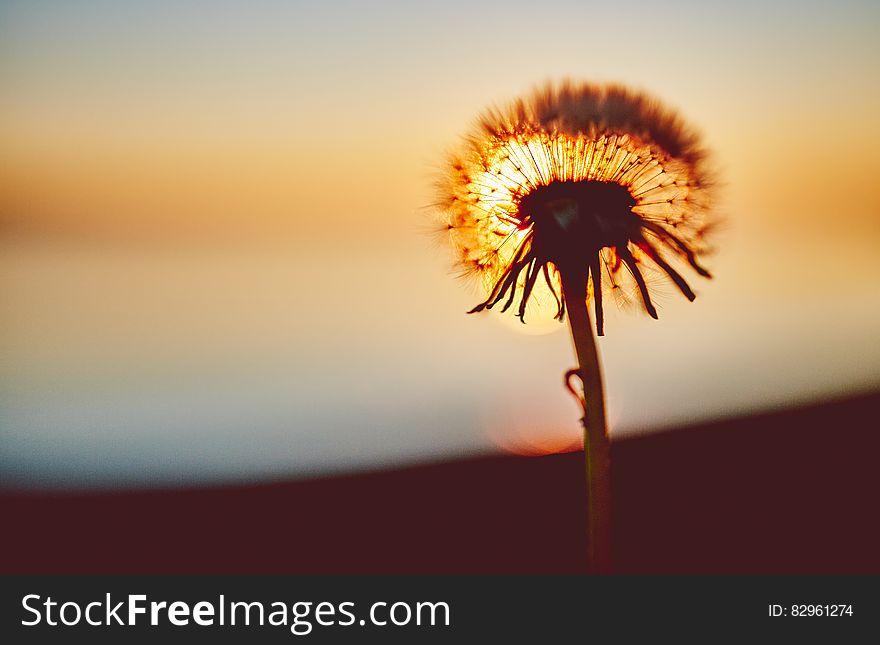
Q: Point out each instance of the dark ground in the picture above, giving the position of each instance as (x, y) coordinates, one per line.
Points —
(788, 492)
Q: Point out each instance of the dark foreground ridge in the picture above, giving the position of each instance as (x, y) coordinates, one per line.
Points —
(785, 492)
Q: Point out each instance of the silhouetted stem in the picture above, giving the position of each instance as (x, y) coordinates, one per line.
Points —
(596, 445)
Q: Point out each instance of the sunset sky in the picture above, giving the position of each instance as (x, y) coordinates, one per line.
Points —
(215, 249)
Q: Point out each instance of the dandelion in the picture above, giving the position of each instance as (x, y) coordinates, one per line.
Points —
(587, 192)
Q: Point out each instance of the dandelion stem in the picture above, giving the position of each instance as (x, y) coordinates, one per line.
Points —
(597, 448)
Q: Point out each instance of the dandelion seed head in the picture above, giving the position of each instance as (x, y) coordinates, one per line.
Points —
(578, 177)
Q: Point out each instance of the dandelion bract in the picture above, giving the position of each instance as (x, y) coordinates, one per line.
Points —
(579, 178)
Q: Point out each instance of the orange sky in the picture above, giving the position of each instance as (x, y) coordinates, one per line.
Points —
(213, 228)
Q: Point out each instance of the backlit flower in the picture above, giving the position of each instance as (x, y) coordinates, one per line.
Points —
(593, 180)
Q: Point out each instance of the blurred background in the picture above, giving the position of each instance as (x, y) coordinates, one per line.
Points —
(215, 251)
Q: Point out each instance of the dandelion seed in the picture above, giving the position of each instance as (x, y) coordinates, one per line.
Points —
(571, 177)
